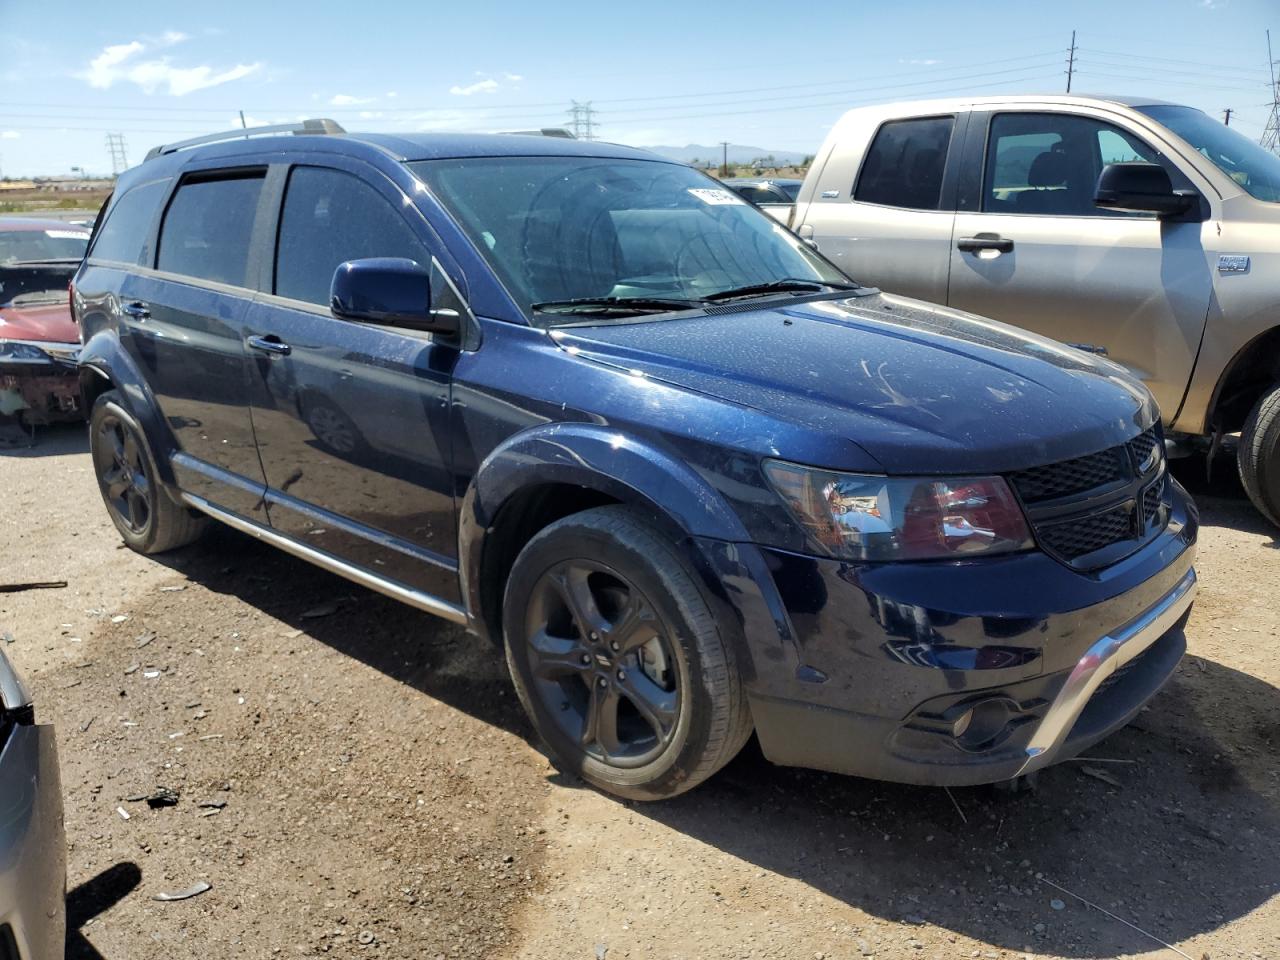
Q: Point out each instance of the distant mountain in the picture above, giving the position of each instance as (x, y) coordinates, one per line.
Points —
(738, 154)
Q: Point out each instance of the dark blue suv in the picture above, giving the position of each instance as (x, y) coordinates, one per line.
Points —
(595, 407)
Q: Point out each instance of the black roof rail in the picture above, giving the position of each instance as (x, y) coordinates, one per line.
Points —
(319, 126)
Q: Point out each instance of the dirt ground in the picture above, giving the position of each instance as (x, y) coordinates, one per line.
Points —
(372, 789)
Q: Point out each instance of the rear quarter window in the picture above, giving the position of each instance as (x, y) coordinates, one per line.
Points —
(905, 163)
(207, 229)
(123, 236)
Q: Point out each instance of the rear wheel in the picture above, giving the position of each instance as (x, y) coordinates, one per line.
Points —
(617, 659)
(148, 519)
(1258, 455)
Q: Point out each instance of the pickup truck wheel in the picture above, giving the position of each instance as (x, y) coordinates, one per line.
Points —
(617, 659)
(148, 519)
(1258, 455)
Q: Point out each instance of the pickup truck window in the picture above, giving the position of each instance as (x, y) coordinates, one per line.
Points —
(1256, 170)
(1047, 164)
(904, 166)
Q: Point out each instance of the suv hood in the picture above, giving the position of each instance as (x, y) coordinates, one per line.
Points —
(922, 389)
(45, 322)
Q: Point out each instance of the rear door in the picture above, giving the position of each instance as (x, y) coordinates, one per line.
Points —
(1031, 248)
(182, 319)
(352, 419)
(885, 214)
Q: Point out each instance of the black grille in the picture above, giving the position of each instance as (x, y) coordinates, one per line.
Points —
(1070, 476)
(1076, 537)
(1082, 506)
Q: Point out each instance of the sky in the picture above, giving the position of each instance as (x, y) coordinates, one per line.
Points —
(771, 75)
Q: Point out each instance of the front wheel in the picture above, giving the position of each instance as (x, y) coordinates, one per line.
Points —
(1258, 455)
(617, 659)
(146, 516)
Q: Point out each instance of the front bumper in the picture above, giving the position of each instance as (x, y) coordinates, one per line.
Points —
(43, 390)
(871, 670)
(32, 844)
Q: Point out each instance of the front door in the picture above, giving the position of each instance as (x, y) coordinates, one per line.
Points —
(352, 419)
(1034, 251)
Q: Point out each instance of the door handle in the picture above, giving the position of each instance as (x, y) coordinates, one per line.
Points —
(136, 310)
(269, 344)
(985, 241)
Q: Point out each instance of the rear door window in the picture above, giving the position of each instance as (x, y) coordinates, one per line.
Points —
(905, 164)
(207, 229)
(330, 217)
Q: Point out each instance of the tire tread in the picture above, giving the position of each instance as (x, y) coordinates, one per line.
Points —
(1258, 455)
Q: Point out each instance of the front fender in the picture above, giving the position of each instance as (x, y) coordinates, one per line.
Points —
(103, 355)
(597, 458)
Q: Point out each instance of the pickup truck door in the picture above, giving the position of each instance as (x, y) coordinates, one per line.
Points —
(1031, 248)
(884, 213)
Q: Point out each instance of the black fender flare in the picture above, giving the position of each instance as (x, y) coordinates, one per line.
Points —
(105, 357)
(597, 458)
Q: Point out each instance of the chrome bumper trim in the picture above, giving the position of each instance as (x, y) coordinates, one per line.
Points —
(415, 598)
(1099, 662)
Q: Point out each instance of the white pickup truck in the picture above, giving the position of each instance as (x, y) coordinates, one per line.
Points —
(1145, 231)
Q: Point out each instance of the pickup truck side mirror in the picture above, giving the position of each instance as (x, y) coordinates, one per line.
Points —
(389, 291)
(1143, 187)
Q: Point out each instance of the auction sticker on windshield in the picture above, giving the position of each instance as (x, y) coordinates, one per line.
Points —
(715, 197)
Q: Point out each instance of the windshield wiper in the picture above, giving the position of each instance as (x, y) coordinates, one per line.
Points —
(589, 306)
(785, 285)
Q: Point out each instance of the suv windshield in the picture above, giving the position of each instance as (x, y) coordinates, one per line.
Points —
(1255, 169)
(585, 230)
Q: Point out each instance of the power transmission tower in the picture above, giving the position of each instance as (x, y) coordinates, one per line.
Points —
(582, 117)
(1271, 135)
(119, 159)
(1071, 60)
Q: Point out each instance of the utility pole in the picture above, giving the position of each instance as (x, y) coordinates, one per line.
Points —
(724, 158)
(1271, 135)
(1226, 116)
(243, 125)
(582, 117)
(116, 148)
(1071, 60)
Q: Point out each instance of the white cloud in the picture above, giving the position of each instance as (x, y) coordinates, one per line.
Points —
(480, 86)
(10, 135)
(921, 63)
(513, 77)
(392, 95)
(346, 100)
(119, 63)
(1213, 4)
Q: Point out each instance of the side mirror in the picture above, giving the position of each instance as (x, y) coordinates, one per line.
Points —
(389, 291)
(1143, 187)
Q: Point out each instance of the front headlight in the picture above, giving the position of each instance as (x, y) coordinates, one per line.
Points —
(857, 517)
(17, 350)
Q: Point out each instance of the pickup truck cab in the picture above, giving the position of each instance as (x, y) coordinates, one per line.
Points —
(1141, 230)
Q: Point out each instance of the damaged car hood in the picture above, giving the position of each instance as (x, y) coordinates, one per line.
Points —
(923, 389)
(49, 322)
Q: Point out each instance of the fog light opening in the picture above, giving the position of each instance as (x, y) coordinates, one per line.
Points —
(984, 725)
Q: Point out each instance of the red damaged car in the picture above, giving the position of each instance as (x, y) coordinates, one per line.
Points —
(38, 339)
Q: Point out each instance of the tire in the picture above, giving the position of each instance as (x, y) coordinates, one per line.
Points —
(147, 517)
(617, 658)
(1258, 455)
